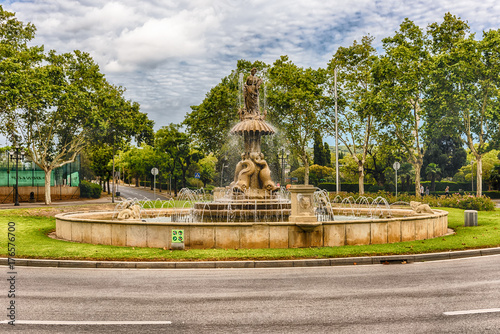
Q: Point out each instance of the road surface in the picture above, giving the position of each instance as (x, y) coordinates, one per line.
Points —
(454, 296)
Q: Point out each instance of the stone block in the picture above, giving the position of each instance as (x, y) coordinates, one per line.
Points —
(278, 236)
(227, 237)
(394, 231)
(81, 232)
(137, 235)
(119, 235)
(421, 229)
(407, 230)
(200, 237)
(63, 229)
(101, 234)
(378, 233)
(333, 235)
(357, 234)
(256, 236)
(159, 236)
(297, 237)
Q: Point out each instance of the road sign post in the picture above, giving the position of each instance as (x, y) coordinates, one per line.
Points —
(396, 166)
(154, 171)
(177, 239)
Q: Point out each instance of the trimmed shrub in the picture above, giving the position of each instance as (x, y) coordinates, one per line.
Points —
(90, 190)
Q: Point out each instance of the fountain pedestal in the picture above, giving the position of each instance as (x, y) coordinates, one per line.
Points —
(303, 206)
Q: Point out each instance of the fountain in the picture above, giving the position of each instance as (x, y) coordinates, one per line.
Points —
(254, 196)
(253, 212)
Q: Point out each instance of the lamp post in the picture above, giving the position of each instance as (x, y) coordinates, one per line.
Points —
(284, 160)
(337, 179)
(15, 155)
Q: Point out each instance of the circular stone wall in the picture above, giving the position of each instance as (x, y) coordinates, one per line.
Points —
(100, 228)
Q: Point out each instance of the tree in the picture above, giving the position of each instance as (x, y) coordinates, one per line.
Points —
(319, 150)
(357, 104)
(295, 99)
(401, 78)
(63, 112)
(328, 154)
(466, 82)
(209, 122)
(433, 170)
(16, 61)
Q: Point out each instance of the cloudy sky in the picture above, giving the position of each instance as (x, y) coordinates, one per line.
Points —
(169, 53)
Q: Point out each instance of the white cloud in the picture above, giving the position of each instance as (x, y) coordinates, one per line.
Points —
(168, 54)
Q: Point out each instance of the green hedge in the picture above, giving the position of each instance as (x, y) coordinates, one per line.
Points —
(440, 186)
(90, 190)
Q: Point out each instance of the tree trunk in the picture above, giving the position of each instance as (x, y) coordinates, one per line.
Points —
(479, 178)
(306, 170)
(361, 178)
(48, 199)
(109, 189)
(417, 179)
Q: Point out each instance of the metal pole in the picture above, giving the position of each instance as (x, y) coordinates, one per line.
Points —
(154, 186)
(396, 183)
(337, 179)
(17, 176)
(113, 189)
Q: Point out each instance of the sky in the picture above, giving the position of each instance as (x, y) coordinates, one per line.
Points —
(169, 53)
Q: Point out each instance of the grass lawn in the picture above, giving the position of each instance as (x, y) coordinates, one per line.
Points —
(33, 225)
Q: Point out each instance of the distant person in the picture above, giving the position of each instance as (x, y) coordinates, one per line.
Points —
(447, 191)
(427, 191)
(422, 190)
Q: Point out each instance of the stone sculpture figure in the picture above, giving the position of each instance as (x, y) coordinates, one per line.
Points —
(251, 93)
(252, 175)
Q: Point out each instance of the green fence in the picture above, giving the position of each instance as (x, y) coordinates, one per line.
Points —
(29, 174)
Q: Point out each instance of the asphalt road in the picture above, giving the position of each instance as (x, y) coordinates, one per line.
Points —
(141, 193)
(404, 298)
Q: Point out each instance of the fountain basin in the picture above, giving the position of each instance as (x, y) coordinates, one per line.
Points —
(100, 228)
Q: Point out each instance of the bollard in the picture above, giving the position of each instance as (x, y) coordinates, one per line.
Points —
(470, 218)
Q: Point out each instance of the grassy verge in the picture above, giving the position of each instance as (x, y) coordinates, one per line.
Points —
(33, 225)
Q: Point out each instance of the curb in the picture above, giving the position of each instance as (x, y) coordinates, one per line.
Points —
(331, 262)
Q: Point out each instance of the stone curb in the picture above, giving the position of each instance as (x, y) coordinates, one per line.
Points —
(389, 259)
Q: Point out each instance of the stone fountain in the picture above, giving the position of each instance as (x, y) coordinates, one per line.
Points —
(253, 193)
(250, 213)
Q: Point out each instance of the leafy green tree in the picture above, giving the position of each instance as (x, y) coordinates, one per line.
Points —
(17, 59)
(466, 82)
(446, 151)
(209, 122)
(318, 150)
(356, 100)
(328, 154)
(433, 171)
(401, 77)
(296, 98)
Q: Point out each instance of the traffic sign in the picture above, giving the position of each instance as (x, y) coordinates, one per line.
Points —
(177, 236)
(396, 165)
(154, 171)
(197, 175)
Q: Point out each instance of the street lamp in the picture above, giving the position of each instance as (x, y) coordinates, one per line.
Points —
(15, 155)
(284, 161)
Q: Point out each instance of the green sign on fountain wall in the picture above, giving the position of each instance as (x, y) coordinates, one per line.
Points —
(177, 236)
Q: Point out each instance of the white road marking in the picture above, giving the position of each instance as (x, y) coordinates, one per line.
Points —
(488, 310)
(84, 322)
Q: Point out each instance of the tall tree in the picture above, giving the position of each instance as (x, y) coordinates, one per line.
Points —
(354, 66)
(401, 77)
(17, 59)
(295, 99)
(465, 84)
(319, 150)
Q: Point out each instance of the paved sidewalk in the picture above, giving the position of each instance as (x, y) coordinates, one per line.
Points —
(24, 205)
